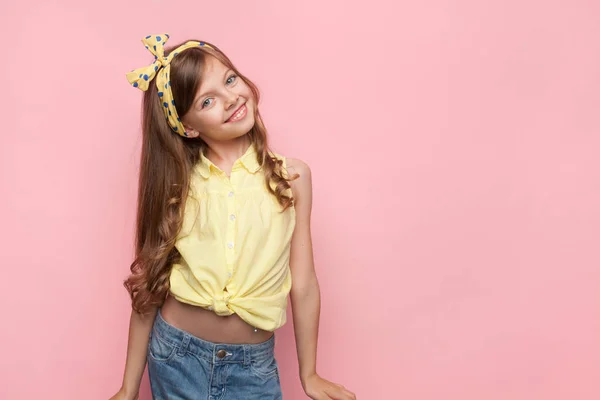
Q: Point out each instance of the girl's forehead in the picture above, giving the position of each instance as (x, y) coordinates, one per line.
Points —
(213, 66)
(212, 73)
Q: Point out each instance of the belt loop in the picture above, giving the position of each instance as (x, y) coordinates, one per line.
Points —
(246, 356)
(184, 345)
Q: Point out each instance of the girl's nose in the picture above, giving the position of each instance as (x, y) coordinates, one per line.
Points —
(232, 98)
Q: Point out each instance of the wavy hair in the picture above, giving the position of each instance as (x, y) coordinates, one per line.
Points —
(166, 162)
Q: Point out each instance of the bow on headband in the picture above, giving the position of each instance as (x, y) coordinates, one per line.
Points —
(161, 68)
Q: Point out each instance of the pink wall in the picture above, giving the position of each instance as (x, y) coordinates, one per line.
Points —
(454, 148)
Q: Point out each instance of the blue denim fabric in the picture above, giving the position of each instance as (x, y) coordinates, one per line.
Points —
(184, 367)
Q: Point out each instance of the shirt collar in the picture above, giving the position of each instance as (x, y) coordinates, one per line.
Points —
(248, 160)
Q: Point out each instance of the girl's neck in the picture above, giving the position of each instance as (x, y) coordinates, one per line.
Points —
(224, 154)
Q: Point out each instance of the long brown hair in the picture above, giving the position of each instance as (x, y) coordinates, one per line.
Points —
(167, 160)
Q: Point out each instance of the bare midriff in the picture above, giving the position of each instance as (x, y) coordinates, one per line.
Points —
(207, 325)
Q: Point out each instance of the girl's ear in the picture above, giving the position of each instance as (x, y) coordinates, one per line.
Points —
(191, 132)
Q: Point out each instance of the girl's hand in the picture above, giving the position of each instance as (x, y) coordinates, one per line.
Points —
(123, 395)
(318, 388)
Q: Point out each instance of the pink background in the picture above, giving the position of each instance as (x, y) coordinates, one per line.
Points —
(454, 148)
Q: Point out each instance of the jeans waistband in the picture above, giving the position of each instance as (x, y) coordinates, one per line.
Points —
(214, 352)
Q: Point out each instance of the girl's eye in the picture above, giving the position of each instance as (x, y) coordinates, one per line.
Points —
(229, 81)
(231, 76)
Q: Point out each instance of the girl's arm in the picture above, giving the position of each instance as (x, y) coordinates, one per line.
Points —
(139, 333)
(305, 293)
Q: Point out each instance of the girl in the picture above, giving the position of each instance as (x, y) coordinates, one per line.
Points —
(223, 229)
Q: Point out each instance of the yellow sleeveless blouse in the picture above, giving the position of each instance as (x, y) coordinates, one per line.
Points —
(235, 244)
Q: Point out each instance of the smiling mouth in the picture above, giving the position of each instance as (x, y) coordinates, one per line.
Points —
(239, 114)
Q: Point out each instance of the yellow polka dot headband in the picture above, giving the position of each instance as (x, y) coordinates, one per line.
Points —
(140, 77)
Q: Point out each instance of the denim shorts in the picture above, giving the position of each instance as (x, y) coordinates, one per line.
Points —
(184, 367)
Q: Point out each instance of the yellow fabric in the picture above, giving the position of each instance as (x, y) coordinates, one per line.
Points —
(235, 244)
(161, 68)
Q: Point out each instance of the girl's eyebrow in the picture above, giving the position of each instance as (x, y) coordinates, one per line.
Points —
(202, 94)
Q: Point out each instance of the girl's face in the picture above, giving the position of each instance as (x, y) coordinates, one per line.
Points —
(223, 108)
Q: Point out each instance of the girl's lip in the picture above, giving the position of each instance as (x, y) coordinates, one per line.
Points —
(235, 112)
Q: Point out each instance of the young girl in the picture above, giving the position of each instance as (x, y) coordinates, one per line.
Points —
(223, 230)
